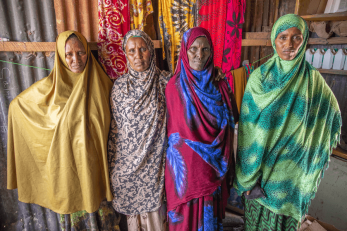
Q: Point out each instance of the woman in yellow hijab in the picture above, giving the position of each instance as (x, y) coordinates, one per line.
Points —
(57, 134)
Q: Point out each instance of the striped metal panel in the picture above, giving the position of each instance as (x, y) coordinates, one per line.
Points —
(78, 15)
(23, 21)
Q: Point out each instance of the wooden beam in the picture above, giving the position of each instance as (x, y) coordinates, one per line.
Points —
(333, 72)
(334, 40)
(157, 43)
(297, 3)
(257, 35)
(256, 42)
(340, 16)
(27, 46)
(45, 46)
(340, 152)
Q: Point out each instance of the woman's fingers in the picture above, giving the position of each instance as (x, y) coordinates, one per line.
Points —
(219, 73)
(248, 192)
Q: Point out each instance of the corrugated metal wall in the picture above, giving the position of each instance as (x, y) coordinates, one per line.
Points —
(27, 21)
(79, 15)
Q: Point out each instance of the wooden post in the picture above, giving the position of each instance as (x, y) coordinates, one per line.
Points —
(297, 4)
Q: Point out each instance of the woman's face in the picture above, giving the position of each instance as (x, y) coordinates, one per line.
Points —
(75, 55)
(138, 54)
(198, 53)
(288, 43)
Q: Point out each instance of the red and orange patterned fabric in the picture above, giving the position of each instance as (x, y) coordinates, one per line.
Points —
(114, 23)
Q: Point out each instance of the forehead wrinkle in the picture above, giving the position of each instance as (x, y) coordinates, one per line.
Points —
(75, 44)
(135, 43)
(200, 42)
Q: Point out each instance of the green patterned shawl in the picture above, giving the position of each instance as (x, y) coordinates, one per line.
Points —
(290, 121)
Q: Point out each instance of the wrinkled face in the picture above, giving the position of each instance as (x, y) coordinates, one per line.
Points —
(288, 43)
(138, 54)
(198, 53)
(75, 55)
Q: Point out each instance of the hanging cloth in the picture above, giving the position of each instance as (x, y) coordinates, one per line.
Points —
(233, 38)
(212, 17)
(240, 80)
(57, 136)
(175, 18)
(290, 121)
(114, 23)
(249, 69)
(139, 10)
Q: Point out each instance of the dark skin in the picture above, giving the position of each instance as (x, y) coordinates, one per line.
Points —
(75, 55)
(198, 53)
(138, 54)
(288, 43)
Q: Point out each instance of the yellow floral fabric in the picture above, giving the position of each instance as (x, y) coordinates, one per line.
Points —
(139, 10)
(175, 18)
(57, 135)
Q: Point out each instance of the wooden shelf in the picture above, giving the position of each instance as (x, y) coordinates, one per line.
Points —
(340, 152)
(340, 16)
(322, 41)
(333, 72)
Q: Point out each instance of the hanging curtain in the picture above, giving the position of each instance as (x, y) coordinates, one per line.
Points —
(175, 18)
(114, 23)
(233, 37)
(212, 17)
(139, 10)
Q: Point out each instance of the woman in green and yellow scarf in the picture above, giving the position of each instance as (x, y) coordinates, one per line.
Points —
(290, 121)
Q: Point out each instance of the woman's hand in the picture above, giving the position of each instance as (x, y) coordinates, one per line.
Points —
(218, 73)
(248, 192)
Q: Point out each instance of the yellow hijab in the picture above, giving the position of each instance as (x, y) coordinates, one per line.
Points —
(57, 137)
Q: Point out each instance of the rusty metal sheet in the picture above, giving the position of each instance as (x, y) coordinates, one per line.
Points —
(13, 80)
(22, 21)
(27, 21)
(81, 16)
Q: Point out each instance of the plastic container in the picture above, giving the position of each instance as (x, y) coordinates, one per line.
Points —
(309, 55)
(345, 65)
(318, 58)
(340, 59)
(329, 58)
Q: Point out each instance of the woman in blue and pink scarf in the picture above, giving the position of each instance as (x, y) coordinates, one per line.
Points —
(199, 162)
